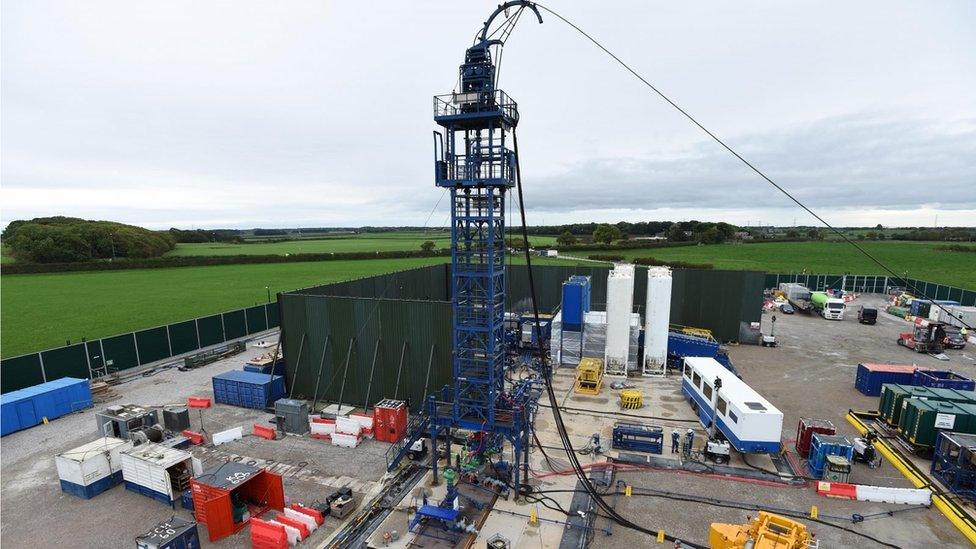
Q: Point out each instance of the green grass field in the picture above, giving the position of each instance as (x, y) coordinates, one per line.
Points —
(918, 259)
(40, 311)
(366, 242)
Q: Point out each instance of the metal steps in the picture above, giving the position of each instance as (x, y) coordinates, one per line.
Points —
(417, 427)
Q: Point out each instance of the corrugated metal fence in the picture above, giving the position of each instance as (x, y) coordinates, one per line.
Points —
(389, 336)
(876, 284)
(121, 352)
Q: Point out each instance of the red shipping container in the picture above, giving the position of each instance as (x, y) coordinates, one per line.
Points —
(390, 420)
(805, 430)
(212, 491)
(198, 402)
(267, 535)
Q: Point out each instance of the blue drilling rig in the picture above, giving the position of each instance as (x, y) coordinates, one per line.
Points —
(475, 162)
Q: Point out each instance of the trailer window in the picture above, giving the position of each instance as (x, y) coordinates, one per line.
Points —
(707, 389)
(733, 418)
(696, 379)
(687, 371)
(721, 406)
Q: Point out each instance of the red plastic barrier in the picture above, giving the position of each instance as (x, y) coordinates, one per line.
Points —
(840, 490)
(319, 519)
(267, 535)
(316, 419)
(264, 431)
(198, 402)
(302, 527)
(195, 438)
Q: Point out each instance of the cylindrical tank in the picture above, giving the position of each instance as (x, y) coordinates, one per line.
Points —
(657, 316)
(819, 299)
(620, 304)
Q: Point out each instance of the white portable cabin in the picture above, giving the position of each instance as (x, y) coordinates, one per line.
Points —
(151, 469)
(750, 422)
(657, 317)
(92, 468)
(620, 304)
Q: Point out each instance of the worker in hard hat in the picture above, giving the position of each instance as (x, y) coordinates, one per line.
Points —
(675, 440)
(689, 441)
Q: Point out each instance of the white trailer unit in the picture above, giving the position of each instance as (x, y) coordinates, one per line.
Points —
(657, 316)
(957, 315)
(620, 304)
(159, 472)
(747, 420)
(92, 468)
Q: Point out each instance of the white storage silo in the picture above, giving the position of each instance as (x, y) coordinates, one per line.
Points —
(657, 316)
(620, 303)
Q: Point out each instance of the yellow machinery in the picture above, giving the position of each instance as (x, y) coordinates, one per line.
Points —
(589, 376)
(692, 331)
(766, 531)
(631, 399)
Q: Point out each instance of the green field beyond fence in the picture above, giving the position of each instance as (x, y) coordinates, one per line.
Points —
(365, 242)
(90, 359)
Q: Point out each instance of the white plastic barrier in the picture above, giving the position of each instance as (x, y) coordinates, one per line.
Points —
(294, 536)
(322, 428)
(347, 426)
(344, 440)
(365, 421)
(221, 437)
(303, 518)
(881, 494)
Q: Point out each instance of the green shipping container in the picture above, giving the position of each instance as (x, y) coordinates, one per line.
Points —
(893, 397)
(923, 419)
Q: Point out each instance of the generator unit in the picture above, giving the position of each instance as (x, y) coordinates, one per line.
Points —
(291, 415)
(118, 421)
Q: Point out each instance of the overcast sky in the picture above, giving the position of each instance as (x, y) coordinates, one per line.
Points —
(284, 114)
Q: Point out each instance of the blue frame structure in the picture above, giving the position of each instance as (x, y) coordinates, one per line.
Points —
(472, 159)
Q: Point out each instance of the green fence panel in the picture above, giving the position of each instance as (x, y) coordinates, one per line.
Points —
(274, 318)
(183, 337)
(68, 361)
(211, 330)
(19, 372)
(235, 325)
(153, 345)
(120, 352)
(256, 322)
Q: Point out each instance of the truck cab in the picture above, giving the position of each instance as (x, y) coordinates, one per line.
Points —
(834, 309)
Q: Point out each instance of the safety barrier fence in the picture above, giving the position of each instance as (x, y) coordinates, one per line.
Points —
(874, 284)
(99, 357)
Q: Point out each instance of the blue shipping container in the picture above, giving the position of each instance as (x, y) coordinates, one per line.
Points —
(870, 377)
(29, 406)
(175, 533)
(576, 302)
(942, 379)
(248, 389)
(923, 306)
(822, 445)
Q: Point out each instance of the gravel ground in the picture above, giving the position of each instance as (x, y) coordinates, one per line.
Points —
(810, 374)
(311, 469)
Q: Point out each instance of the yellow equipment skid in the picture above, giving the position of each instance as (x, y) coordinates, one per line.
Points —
(766, 531)
(589, 376)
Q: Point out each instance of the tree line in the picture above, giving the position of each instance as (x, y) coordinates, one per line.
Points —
(70, 239)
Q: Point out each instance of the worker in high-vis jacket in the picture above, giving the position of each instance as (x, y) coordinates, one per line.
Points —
(675, 440)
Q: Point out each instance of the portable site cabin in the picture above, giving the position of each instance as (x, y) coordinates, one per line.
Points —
(159, 472)
(750, 422)
(92, 468)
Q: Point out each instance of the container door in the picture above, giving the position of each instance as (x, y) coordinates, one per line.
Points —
(197, 467)
(218, 516)
(26, 413)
